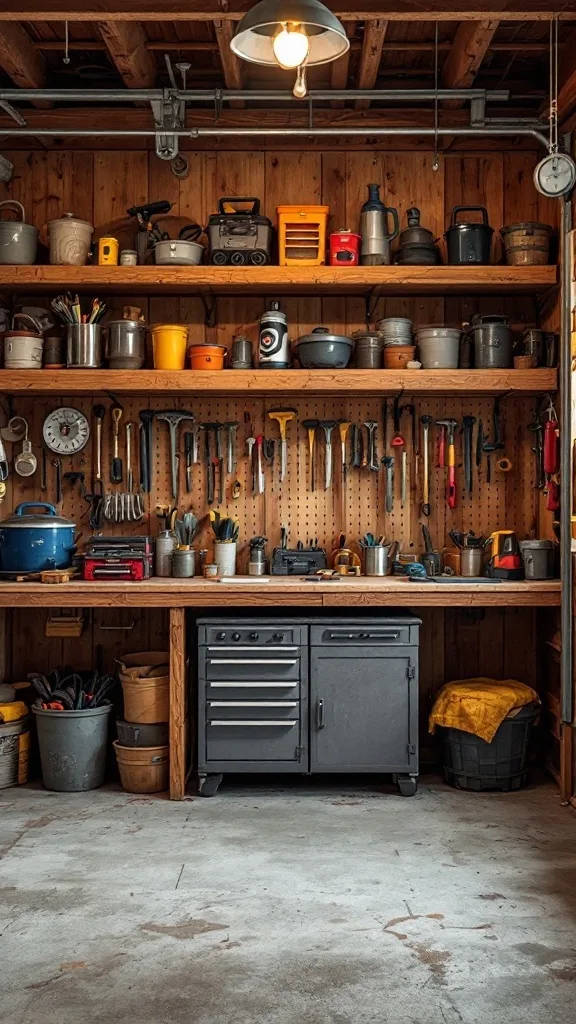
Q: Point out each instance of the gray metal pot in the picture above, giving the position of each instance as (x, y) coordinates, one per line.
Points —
(323, 350)
(179, 252)
(18, 240)
(538, 558)
(492, 339)
(126, 344)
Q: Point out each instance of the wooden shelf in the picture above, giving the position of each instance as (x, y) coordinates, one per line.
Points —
(152, 280)
(364, 592)
(265, 382)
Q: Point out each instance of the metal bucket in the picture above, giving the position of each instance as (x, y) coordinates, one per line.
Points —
(538, 558)
(492, 339)
(376, 560)
(73, 748)
(84, 346)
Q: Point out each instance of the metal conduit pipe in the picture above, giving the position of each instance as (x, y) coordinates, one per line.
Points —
(566, 573)
(197, 133)
(213, 95)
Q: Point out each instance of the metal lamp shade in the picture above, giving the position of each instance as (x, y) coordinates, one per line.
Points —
(254, 36)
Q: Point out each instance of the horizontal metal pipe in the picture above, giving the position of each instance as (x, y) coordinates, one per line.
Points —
(196, 133)
(104, 96)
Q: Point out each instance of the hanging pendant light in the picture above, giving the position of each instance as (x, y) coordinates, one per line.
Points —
(290, 34)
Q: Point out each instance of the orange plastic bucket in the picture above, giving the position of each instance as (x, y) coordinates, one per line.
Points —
(169, 342)
(207, 357)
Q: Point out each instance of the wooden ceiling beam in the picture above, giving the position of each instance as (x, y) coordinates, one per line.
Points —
(340, 68)
(347, 10)
(126, 45)
(370, 57)
(469, 48)
(567, 90)
(231, 65)
(20, 59)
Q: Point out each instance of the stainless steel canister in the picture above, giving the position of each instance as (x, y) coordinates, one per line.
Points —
(376, 560)
(84, 346)
(183, 562)
(126, 345)
(471, 561)
(241, 355)
(165, 544)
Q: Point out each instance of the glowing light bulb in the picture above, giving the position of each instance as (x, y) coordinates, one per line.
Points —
(291, 46)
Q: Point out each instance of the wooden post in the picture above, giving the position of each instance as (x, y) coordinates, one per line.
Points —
(178, 703)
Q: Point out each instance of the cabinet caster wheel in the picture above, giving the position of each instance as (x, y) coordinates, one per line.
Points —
(407, 784)
(208, 784)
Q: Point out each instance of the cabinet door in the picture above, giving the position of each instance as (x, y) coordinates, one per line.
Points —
(363, 710)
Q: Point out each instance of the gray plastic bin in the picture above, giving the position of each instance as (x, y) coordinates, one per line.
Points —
(73, 748)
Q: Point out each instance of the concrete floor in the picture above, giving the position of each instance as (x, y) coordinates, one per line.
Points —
(308, 904)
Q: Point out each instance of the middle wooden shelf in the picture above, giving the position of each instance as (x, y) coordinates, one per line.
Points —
(266, 382)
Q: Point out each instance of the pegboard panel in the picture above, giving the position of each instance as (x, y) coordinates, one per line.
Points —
(351, 507)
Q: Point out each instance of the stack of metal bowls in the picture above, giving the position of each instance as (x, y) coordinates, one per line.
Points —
(395, 330)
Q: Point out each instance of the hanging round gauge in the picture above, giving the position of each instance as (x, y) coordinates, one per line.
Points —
(555, 175)
(66, 431)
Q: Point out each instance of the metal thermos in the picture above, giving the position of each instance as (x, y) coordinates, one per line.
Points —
(273, 345)
(376, 238)
(165, 544)
(257, 557)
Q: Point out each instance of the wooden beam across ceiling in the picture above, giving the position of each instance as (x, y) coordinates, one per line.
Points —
(469, 48)
(231, 65)
(25, 66)
(567, 90)
(126, 44)
(339, 68)
(232, 10)
(374, 36)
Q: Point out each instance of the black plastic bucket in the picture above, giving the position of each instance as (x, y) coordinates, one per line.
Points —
(472, 763)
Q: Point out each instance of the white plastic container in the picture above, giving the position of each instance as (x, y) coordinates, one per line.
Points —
(439, 347)
(225, 557)
(23, 347)
(70, 240)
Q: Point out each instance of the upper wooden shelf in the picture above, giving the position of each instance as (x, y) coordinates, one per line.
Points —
(266, 382)
(153, 280)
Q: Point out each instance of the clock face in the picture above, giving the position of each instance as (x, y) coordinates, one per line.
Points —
(555, 175)
(66, 431)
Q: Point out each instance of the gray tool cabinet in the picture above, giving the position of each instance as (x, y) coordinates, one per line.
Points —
(308, 695)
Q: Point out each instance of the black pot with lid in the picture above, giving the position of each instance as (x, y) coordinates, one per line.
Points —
(468, 241)
(417, 246)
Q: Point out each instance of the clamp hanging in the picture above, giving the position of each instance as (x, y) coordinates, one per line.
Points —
(169, 117)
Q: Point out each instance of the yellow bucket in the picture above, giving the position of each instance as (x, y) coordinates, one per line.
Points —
(169, 342)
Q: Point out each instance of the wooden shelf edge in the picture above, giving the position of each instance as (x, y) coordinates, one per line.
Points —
(352, 280)
(160, 593)
(37, 382)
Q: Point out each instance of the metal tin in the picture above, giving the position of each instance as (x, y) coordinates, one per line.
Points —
(128, 258)
(126, 344)
(210, 570)
(471, 561)
(183, 563)
(376, 560)
(84, 346)
(108, 251)
(241, 354)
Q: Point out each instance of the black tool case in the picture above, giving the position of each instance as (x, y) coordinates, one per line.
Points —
(239, 238)
(308, 695)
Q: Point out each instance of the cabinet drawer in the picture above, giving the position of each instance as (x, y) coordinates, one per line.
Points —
(272, 739)
(254, 710)
(251, 689)
(253, 666)
(359, 636)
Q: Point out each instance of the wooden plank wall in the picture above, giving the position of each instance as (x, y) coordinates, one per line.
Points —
(100, 186)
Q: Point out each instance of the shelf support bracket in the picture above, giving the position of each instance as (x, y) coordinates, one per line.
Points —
(210, 304)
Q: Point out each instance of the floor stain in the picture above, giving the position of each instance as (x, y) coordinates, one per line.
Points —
(184, 930)
(489, 896)
(543, 955)
(72, 965)
(435, 959)
(42, 984)
(346, 803)
(564, 973)
(46, 819)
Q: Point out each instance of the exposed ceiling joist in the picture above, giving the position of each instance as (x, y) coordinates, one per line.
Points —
(347, 10)
(469, 48)
(231, 65)
(126, 44)
(340, 68)
(20, 60)
(374, 35)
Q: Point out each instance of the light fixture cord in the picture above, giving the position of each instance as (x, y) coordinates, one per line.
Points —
(553, 86)
(66, 57)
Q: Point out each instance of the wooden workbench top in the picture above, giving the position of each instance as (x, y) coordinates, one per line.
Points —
(279, 591)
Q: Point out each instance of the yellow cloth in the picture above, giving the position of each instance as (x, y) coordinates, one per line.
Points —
(12, 711)
(479, 705)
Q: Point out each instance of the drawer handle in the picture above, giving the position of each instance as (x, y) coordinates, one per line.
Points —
(253, 703)
(218, 650)
(320, 714)
(363, 636)
(252, 661)
(284, 723)
(251, 686)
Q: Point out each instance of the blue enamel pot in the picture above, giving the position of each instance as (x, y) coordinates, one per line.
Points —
(33, 541)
